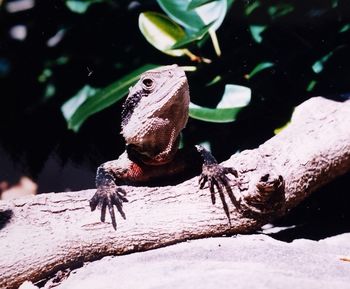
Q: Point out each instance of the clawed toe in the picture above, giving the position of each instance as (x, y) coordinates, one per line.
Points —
(108, 198)
(216, 177)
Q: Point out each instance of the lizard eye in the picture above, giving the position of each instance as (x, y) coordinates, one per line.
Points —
(148, 83)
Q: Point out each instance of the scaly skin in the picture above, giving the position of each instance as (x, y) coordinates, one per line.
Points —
(154, 113)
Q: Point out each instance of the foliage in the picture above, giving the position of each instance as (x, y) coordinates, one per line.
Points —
(234, 99)
(53, 51)
(165, 33)
(77, 109)
(187, 25)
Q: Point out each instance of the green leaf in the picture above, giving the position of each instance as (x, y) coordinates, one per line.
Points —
(215, 80)
(177, 10)
(311, 85)
(62, 60)
(249, 9)
(279, 129)
(230, 3)
(73, 104)
(161, 32)
(194, 20)
(280, 9)
(345, 28)
(317, 67)
(213, 12)
(334, 3)
(50, 91)
(222, 115)
(189, 68)
(261, 66)
(234, 99)
(196, 3)
(45, 75)
(235, 96)
(256, 31)
(184, 42)
(80, 6)
(82, 107)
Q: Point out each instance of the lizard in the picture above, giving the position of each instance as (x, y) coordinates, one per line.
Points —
(154, 113)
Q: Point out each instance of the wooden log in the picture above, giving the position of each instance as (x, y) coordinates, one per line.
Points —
(49, 232)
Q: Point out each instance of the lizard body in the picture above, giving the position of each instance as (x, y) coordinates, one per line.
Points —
(154, 114)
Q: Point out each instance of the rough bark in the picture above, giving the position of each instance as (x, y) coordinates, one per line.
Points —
(41, 235)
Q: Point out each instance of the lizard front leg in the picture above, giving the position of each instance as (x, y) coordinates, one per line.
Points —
(109, 177)
(108, 194)
(112, 174)
(216, 176)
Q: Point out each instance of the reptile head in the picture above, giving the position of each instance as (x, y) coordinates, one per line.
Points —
(156, 109)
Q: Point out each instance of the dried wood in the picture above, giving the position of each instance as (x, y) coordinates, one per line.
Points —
(49, 232)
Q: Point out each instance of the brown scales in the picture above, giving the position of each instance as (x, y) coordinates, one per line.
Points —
(154, 113)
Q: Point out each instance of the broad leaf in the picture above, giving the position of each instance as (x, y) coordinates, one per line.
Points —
(235, 96)
(161, 32)
(72, 105)
(197, 3)
(184, 42)
(234, 99)
(213, 114)
(213, 12)
(89, 105)
(177, 10)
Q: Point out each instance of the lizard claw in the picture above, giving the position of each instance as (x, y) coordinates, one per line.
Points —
(109, 197)
(216, 177)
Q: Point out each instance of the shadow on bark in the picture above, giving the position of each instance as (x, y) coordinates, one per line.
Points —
(319, 216)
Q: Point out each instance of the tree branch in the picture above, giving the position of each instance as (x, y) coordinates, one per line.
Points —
(49, 232)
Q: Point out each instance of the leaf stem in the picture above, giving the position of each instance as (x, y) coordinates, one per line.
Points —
(196, 58)
(215, 42)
